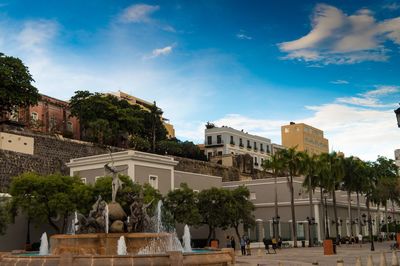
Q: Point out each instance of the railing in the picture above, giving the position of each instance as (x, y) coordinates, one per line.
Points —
(214, 143)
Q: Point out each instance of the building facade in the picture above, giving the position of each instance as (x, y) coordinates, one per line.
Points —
(146, 106)
(304, 138)
(50, 115)
(221, 141)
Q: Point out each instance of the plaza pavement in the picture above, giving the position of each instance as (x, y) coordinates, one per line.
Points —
(306, 256)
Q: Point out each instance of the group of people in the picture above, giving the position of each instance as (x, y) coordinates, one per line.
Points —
(244, 244)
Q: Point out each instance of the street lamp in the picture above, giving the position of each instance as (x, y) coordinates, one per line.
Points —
(369, 223)
(326, 215)
(275, 225)
(397, 112)
(311, 222)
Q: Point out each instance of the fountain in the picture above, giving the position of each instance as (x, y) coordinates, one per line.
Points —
(187, 247)
(108, 235)
(121, 248)
(44, 245)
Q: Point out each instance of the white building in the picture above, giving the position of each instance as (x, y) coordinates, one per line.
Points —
(225, 140)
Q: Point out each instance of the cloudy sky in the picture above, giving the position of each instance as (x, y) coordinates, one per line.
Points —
(252, 65)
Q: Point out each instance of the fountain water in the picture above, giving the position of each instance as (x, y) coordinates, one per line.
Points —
(169, 242)
(121, 248)
(186, 240)
(106, 218)
(44, 245)
(75, 222)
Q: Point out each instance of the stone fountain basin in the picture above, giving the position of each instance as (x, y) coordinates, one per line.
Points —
(100, 243)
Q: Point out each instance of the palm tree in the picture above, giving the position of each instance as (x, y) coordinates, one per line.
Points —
(333, 171)
(276, 165)
(308, 168)
(291, 159)
(352, 181)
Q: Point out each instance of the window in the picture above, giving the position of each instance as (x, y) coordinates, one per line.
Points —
(240, 142)
(219, 139)
(255, 161)
(268, 151)
(232, 142)
(209, 139)
(52, 122)
(255, 145)
(70, 126)
(248, 144)
(220, 153)
(153, 181)
(261, 147)
(34, 116)
(209, 154)
(252, 195)
(83, 180)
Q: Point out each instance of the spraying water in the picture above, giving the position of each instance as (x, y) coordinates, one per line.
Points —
(169, 242)
(75, 224)
(121, 248)
(186, 240)
(44, 245)
(106, 218)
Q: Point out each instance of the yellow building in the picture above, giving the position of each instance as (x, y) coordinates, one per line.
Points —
(146, 106)
(304, 138)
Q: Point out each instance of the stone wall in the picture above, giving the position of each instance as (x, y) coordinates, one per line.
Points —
(50, 155)
(51, 152)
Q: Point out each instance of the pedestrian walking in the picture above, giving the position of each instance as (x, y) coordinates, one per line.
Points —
(233, 243)
(243, 245)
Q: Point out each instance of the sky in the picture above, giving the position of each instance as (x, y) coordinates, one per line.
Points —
(252, 65)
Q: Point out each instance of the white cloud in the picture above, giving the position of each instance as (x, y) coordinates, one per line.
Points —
(338, 38)
(339, 81)
(162, 51)
(371, 98)
(392, 6)
(243, 36)
(36, 34)
(138, 13)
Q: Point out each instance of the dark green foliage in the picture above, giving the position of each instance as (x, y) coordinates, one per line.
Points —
(4, 215)
(105, 119)
(182, 204)
(186, 149)
(16, 89)
(43, 198)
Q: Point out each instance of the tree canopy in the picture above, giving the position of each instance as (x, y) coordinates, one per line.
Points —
(49, 198)
(4, 215)
(16, 89)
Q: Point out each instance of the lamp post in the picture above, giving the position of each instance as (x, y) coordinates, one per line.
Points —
(311, 222)
(369, 223)
(397, 112)
(326, 215)
(275, 225)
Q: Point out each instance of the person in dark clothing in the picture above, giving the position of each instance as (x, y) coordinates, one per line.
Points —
(243, 245)
(266, 245)
(233, 243)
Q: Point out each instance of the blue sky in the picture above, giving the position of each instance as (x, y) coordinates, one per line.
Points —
(252, 65)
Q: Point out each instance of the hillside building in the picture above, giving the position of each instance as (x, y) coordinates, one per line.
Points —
(304, 138)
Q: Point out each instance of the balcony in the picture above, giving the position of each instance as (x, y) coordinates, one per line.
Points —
(214, 144)
(241, 145)
(248, 147)
(262, 150)
(255, 149)
(232, 143)
(255, 164)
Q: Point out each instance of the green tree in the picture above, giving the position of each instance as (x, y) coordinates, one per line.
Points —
(333, 172)
(213, 209)
(308, 167)
(16, 89)
(240, 208)
(43, 198)
(275, 165)
(352, 182)
(292, 161)
(139, 143)
(154, 127)
(4, 215)
(182, 204)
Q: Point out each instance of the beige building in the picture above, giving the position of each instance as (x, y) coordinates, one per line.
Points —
(304, 138)
(146, 106)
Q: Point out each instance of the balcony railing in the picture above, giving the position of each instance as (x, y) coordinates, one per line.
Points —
(232, 143)
(241, 145)
(214, 143)
(249, 147)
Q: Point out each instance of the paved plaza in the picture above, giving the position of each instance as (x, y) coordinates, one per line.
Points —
(306, 256)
